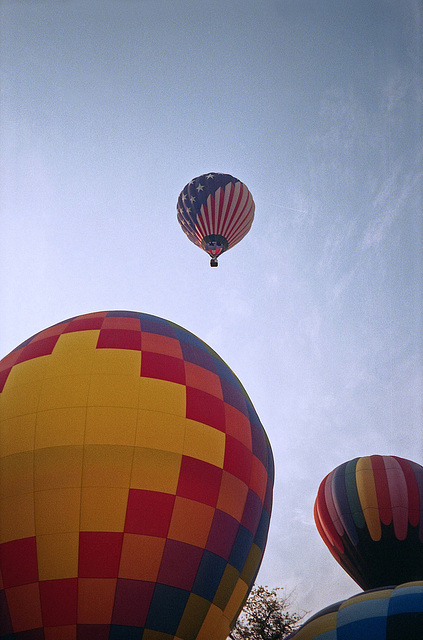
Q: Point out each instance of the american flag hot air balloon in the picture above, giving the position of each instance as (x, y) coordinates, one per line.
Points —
(215, 210)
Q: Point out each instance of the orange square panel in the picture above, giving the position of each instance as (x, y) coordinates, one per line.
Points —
(161, 344)
(67, 632)
(95, 600)
(203, 379)
(238, 425)
(232, 495)
(198, 515)
(141, 557)
(24, 607)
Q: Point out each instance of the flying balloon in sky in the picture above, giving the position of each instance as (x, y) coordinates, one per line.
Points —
(216, 211)
(369, 512)
(135, 484)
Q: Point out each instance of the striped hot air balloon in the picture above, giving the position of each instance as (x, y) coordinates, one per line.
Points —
(216, 211)
(369, 512)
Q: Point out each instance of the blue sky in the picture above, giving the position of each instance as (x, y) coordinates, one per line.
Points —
(108, 108)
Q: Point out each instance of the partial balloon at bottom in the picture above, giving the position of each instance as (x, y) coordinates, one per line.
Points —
(135, 484)
(390, 613)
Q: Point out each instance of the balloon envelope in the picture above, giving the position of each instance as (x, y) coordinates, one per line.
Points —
(383, 614)
(215, 210)
(135, 487)
(369, 512)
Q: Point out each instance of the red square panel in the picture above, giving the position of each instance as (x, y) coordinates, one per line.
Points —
(238, 459)
(206, 408)
(132, 602)
(85, 323)
(10, 360)
(99, 554)
(38, 348)
(59, 601)
(179, 564)
(199, 481)
(18, 561)
(162, 367)
(222, 534)
(119, 339)
(93, 632)
(4, 373)
(252, 512)
(149, 512)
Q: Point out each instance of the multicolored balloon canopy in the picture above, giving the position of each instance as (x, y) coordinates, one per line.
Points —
(383, 614)
(369, 512)
(215, 211)
(135, 488)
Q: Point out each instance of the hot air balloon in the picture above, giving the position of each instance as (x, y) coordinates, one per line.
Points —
(135, 484)
(369, 512)
(216, 211)
(383, 614)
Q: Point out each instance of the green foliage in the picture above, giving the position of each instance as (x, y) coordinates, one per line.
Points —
(266, 616)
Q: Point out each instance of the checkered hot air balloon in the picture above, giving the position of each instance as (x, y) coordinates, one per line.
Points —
(135, 484)
(215, 211)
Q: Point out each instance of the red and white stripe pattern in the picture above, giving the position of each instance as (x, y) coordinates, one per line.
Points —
(216, 204)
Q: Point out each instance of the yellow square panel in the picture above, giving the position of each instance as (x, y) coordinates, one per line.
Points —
(20, 400)
(163, 396)
(160, 431)
(226, 586)
(204, 442)
(111, 425)
(17, 517)
(321, 626)
(17, 434)
(110, 390)
(57, 556)
(195, 612)
(64, 391)
(17, 474)
(117, 361)
(58, 467)
(59, 427)
(107, 466)
(103, 508)
(76, 350)
(251, 564)
(57, 510)
(215, 625)
(155, 470)
(149, 634)
(26, 372)
(236, 599)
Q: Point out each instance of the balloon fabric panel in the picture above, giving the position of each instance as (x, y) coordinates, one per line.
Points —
(383, 614)
(369, 514)
(137, 482)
